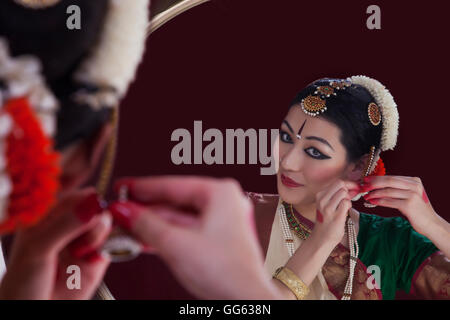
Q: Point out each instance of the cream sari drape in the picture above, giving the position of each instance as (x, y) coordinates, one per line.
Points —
(278, 255)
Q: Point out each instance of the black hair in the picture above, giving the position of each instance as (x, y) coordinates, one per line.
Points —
(348, 110)
(44, 34)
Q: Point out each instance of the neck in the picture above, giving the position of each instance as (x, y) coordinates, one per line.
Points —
(307, 210)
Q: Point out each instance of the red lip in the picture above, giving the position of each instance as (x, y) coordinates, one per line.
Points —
(288, 182)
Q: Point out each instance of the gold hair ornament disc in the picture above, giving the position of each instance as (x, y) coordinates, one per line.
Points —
(374, 114)
(313, 105)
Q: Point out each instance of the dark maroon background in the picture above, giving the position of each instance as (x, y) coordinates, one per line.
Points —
(237, 64)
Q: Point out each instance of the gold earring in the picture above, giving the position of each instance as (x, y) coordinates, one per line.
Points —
(366, 173)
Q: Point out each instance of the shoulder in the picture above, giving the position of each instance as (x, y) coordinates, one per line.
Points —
(263, 199)
(387, 226)
(265, 206)
(395, 233)
(392, 244)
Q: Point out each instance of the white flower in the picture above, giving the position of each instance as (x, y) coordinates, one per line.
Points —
(5, 186)
(389, 112)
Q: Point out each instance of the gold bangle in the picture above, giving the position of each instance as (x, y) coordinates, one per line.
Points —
(290, 280)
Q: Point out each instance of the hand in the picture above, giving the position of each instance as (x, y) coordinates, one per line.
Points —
(332, 206)
(405, 194)
(69, 235)
(213, 253)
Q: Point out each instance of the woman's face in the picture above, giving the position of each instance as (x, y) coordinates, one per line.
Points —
(311, 163)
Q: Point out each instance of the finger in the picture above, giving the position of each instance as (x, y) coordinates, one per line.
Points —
(181, 191)
(69, 219)
(176, 216)
(336, 200)
(379, 182)
(343, 207)
(330, 192)
(151, 229)
(388, 202)
(228, 205)
(93, 238)
(413, 179)
(388, 193)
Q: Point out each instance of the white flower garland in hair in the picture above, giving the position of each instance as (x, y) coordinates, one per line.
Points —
(388, 107)
(114, 61)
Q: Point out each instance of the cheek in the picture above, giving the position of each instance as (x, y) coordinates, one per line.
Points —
(318, 176)
(280, 149)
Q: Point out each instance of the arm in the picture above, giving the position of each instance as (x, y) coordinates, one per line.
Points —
(199, 248)
(306, 263)
(408, 195)
(439, 234)
(333, 205)
(40, 255)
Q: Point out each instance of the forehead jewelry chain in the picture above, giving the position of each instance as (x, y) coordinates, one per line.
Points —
(366, 173)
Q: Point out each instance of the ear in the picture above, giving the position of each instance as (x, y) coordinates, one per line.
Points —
(355, 170)
(79, 162)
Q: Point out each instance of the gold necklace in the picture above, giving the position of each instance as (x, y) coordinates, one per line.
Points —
(103, 181)
(295, 225)
(110, 155)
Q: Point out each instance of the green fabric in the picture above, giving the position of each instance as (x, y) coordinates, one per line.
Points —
(394, 246)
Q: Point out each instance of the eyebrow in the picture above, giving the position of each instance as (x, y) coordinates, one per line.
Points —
(320, 140)
(310, 137)
(289, 126)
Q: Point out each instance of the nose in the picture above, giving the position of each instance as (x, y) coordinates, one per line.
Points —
(292, 160)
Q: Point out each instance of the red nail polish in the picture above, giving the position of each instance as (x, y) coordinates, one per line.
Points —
(319, 216)
(367, 196)
(89, 207)
(367, 188)
(125, 213)
(79, 250)
(367, 179)
(93, 257)
(425, 197)
(147, 248)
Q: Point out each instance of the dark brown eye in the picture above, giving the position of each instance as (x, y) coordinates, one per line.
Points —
(285, 137)
(316, 154)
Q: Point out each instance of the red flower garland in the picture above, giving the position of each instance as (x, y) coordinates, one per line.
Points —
(33, 168)
(379, 170)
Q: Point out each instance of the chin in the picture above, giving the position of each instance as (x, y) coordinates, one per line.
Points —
(290, 195)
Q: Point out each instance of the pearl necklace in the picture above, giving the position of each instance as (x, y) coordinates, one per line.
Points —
(354, 251)
(352, 239)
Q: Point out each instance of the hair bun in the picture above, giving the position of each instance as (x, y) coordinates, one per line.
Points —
(389, 112)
